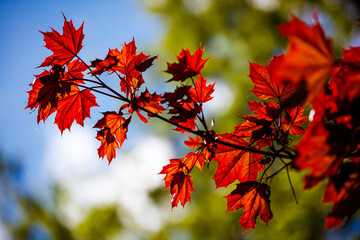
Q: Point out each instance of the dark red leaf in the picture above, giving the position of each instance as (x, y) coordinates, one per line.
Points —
(188, 65)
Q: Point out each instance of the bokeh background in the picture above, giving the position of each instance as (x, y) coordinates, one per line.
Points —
(54, 186)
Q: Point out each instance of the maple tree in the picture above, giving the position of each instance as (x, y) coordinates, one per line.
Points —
(306, 76)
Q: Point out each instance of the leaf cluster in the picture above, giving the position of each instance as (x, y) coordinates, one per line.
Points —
(259, 147)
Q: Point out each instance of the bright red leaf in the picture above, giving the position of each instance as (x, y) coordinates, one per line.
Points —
(74, 106)
(254, 198)
(75, 71)
(293, 119)
(267, 86)
(112, 134)
(193, 142)
(150, 102)
(322, 149)
(184, 165)
(309, 60)
(235, 164)
(64, 47)
(108, 144)
(201, 93)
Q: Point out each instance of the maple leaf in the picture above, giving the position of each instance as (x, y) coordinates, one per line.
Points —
(184, 165)
(127, 54)
(293, 119)
(254, 198)
(266, 85)
(193, 159)
(36, 85)
(188, 65)
(74, 106)
(52, 88)
(322, 149)
(259, 125)
(126, 62)
(45, 110)
(46, 90)
(102, 66)
(112, 134)
(150, 102)
(175, 165)
(235, 164)
(193, 142)
(143, 65)
(347, 79)
(181, 189)
(344, 191)
(201, 93)
(266, 110)
(74, 72)
(64, 47)
(351, 58)
(172, 98)
(108, 144)
(185, 122)
(308, 62)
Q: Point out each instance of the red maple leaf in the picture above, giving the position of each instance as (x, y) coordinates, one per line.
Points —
(75, 71)
(74, 106)
(201, 93)
(293, 119)
(183, 109)
(127, 63)
(266, 110)
(351, 58)
(188, 65)
(108, 144)
(235, 164)
(143, 65)
(112, 134)
(308, 62)
(193, 142)
(254, 198)
(126, 56)
(64, 47)
(259, 125)
(344, 191)
(150, 102)
(175, 165)
(47, 89)
(184, 165)
(181, 189)
(102, 66)
(322, 149)
(266, 85)
(36, 85)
